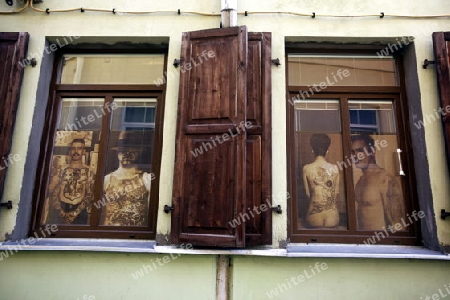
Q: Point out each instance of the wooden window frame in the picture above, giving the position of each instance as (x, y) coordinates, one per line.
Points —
(343, 93)
(108, 92)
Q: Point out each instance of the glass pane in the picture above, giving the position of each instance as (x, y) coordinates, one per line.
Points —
(378, 192)
(69, 192)
(374, 117)
(113, 69)
(324, 71)
(128, 168)
(318, 146)
(308, 112)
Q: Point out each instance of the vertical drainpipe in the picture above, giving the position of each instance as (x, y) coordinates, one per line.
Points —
(228, 13)
(223, 277)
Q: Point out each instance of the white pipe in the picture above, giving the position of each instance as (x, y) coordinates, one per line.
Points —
(228, 13)
(222, 277)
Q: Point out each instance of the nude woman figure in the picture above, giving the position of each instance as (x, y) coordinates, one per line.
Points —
(322, 187)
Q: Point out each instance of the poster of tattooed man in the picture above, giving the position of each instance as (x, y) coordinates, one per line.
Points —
(70, 184)
(321, 195)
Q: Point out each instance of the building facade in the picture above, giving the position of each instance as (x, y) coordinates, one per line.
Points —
(153, 151)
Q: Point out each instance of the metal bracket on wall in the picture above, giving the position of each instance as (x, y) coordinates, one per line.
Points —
(168, 209)
(8, 205)
(276, 62)
(277, 209)
(427, 62)
(444, 214)
(176, 62)
(30, 62)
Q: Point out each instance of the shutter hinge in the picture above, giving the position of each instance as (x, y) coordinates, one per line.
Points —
(168, 209)
(8, 205)
(176, 62)
(444, 214)
(30, 62)
(276, 209)
(275, 62)
(427, 62)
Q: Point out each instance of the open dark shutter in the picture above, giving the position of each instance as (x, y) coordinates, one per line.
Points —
(13, 47)
(209, 184)
(259, 162)
(441, 45)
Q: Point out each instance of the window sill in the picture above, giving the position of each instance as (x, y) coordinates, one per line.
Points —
(292, 250)
(97, 245)
(136, 246)
(363, 251)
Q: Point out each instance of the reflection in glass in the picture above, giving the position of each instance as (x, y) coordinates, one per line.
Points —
(373, 117)
(128, 176)
(328, 70)
(320, 190)
(69, 193)
(113, 69)
(378, 193)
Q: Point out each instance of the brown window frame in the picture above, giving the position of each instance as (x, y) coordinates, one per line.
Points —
(108, 92)
(398, 93)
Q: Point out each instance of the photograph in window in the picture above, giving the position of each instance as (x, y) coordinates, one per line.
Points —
(320, 189)
(128, 170)
(70, 184)
(378, 193)
(72, 175)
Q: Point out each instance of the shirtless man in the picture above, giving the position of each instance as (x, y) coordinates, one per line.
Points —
(379, 200)
(127, 188)
(322, 187)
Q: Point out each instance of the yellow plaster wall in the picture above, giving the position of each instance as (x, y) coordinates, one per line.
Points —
(99, 25)
(255, 278)
(57, 275)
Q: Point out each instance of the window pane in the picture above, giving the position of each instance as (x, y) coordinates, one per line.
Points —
(69, 192)
(378, 192)
(308, 112)
(318, 146)
(128, 168)
(113, 69)
(329, 70)
(372, 117)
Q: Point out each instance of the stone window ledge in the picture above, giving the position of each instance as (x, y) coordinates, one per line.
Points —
(292, 250)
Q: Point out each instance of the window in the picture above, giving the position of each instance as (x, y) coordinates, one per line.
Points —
(100, 162)
(349, 154)
(13, 48)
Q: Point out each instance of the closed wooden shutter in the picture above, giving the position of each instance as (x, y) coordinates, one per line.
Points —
(13, 47)
(217, 181)
(441, 45)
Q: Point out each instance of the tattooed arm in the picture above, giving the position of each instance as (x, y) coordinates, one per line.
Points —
(391, 195)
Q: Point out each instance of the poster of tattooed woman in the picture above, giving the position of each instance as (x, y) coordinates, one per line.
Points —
(320, 192)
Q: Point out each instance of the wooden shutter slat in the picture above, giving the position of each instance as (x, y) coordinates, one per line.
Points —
(210, 181)
(253, 188)
(254, 76)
